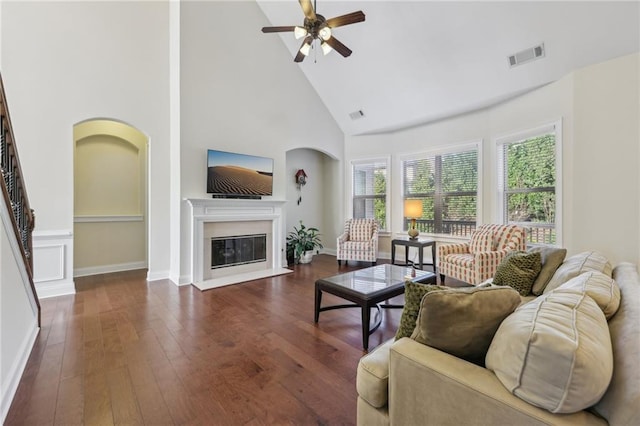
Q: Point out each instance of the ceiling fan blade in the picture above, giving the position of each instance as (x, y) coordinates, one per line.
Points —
(277, 29)
(307, 9)
(349, 18)
(338, 46)
(299, 57)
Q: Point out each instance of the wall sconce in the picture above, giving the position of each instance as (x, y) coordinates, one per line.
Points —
(301, 180)
(413, 210)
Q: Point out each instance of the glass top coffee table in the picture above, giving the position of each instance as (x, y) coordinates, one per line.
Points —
(366, 288)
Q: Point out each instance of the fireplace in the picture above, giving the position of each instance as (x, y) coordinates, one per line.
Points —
(238, 250)
(214, 221)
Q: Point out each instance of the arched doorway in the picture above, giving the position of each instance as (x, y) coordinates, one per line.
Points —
(110, 197)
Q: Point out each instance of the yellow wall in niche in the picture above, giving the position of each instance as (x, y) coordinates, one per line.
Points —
(107, 177)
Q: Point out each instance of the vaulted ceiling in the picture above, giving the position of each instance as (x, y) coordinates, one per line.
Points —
(414, 62)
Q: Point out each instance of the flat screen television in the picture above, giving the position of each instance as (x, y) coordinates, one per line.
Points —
(232, 175)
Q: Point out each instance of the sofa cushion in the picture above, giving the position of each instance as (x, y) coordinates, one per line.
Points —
(481, 241)
(554, 352)
(577, 264)
(519, 270)
(551, 258)
(601, 288)
(620, 403)
(372, 379)
(462, 321)
(413, 294)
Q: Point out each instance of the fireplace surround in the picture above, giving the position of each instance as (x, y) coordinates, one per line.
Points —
(217, 218)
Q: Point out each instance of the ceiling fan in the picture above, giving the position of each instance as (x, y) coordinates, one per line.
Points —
(316, 27)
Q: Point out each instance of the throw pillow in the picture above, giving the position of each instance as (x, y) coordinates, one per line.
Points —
(577, 264)
(462, 321)
(413, 294)
(481, 241)
(552, 258)
(601, 288)
(519, 270)
(554, 352)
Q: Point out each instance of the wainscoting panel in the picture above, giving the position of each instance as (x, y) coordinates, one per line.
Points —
(53, 263)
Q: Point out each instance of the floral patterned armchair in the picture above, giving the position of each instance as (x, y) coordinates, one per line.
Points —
(477, 260)
(359, 241)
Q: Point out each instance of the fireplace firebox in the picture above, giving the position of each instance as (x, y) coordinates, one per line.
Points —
(238, 250)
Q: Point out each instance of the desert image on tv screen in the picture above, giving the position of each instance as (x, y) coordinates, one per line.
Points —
(230, 173)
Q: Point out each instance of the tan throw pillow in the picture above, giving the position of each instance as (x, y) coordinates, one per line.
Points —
(519, 270)
(554, 352)
(577, 264)
(552, 258)
(462, 321)
(601, 288)
(413, 293)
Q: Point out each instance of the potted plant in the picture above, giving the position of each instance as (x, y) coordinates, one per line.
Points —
(302, 242)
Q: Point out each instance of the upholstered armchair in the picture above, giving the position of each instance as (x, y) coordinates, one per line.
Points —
(477, 260)
(359, 241)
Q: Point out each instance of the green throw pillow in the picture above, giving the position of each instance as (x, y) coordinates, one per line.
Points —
(519, 270)
(462, 321)
(413, 294)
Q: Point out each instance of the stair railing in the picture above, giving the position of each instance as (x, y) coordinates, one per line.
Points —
(15, 193)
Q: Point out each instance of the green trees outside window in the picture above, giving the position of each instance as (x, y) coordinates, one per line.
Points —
(529, 186)
(370, 191)
(447, 185)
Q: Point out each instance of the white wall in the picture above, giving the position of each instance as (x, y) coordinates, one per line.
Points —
(606, 146)
(65, 62)
(18, 316)
(598, 106)
(252, 99)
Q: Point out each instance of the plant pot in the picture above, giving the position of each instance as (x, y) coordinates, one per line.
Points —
(306, 256)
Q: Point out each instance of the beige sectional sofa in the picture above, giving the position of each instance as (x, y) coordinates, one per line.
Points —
(404, 382)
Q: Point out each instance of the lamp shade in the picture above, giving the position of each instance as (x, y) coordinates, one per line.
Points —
(413, 208)
(299, 32)
(305, 49)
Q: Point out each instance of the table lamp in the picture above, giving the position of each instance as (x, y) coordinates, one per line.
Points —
(413, 210)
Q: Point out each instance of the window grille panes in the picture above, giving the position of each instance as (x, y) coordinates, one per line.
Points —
(370, 192)
(447, 185)
(529, 181)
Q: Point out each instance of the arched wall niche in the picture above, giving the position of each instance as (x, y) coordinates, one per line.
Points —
(110, 197)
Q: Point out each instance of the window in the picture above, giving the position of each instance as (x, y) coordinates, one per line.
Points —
(528, 182)
(370, 191)
(447, 185)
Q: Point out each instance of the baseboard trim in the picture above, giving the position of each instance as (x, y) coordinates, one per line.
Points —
(184, 280)
(106, 269)
(158, 275)
(54, 289)
(17, 369)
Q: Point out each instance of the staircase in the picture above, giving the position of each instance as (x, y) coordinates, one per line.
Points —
(15, 206)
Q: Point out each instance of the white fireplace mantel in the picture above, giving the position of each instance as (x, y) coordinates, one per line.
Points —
(205, 210)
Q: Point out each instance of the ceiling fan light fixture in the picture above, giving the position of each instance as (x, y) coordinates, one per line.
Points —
(299, 32)
(326, 49)
(305, 49)
(325, 33)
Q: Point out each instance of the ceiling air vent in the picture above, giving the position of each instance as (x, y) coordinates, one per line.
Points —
(526, 55)
(356, 115)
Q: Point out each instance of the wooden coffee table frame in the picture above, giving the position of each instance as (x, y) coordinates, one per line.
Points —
(364, 301)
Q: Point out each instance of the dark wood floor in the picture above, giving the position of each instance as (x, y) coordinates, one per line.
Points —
(124, 351)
